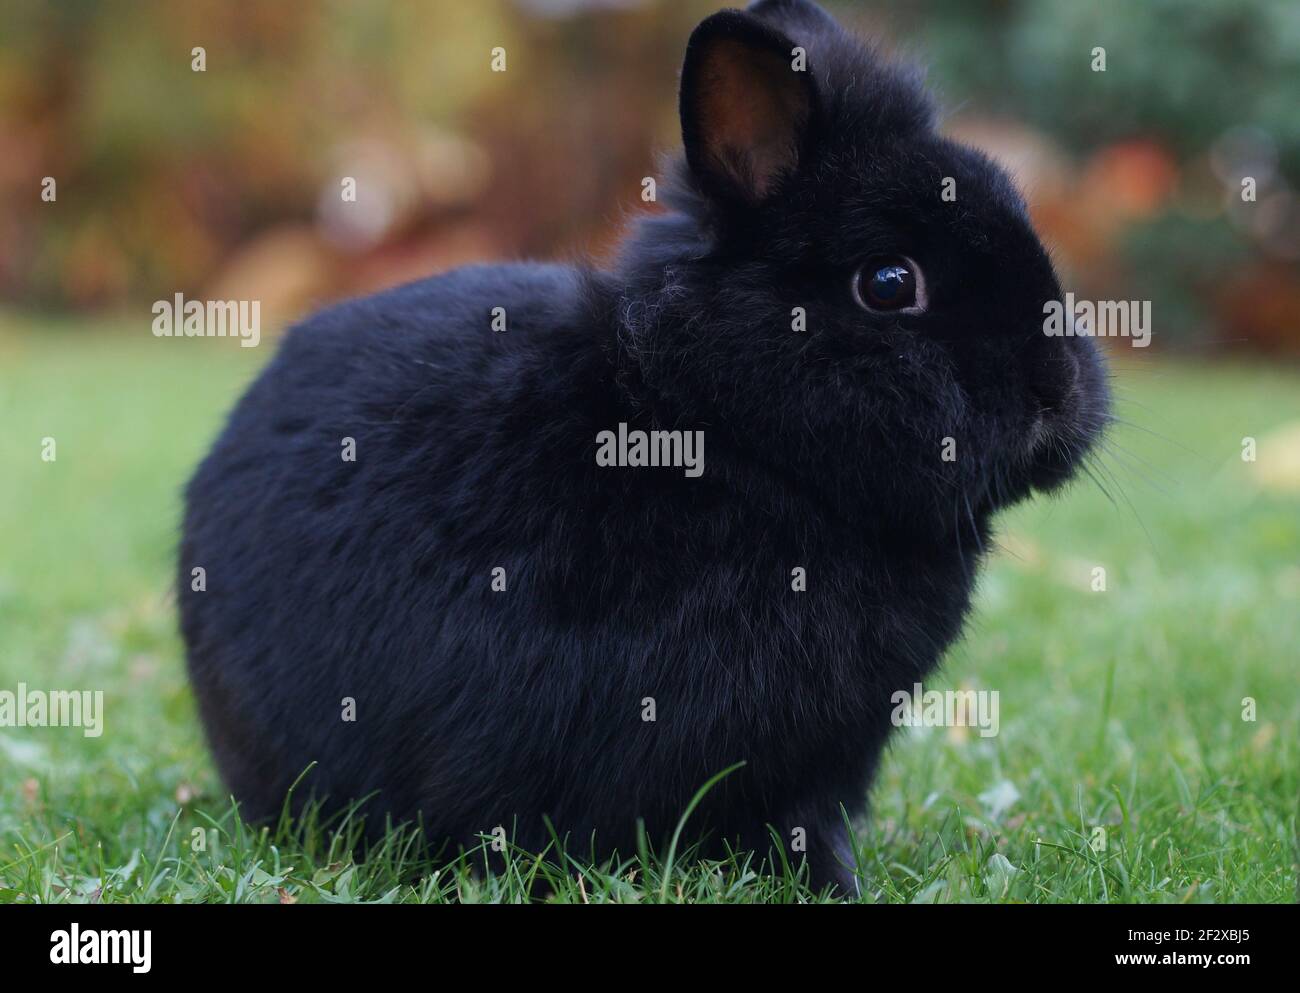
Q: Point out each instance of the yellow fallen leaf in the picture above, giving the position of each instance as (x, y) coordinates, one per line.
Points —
(1020, 551)
(1277, 460)
(1264, 736)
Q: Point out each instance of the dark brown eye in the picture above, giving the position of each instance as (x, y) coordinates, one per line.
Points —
(889, 284)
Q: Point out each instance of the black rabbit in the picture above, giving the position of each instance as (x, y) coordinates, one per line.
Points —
(434, 567)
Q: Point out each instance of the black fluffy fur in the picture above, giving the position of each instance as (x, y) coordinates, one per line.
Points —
(371, 579)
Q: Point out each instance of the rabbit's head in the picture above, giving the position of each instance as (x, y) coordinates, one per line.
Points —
(846, 296)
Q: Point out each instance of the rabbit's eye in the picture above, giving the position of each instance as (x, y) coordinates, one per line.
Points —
(889, 284)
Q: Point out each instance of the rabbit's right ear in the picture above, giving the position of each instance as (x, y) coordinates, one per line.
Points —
(747, 105)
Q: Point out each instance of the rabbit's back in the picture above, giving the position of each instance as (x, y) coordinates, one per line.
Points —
(345, 521)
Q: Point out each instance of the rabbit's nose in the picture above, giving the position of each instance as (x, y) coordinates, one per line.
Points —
(1053, 374)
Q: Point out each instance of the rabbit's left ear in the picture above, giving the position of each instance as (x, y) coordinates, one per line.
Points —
(747, 103)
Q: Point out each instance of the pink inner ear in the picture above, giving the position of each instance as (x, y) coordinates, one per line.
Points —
(753, 106)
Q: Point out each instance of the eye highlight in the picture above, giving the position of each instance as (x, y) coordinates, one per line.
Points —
(890, 283)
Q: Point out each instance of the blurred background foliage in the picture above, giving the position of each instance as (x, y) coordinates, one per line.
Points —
(226, 183)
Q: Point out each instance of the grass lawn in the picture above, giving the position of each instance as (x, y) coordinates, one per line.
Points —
(1123, 771)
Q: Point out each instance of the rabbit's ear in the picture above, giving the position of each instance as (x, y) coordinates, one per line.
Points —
(747, 105)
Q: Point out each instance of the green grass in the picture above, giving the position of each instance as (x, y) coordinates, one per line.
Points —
(1119, 709)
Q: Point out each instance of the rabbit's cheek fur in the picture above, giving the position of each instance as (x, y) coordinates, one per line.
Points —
(522, 634)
